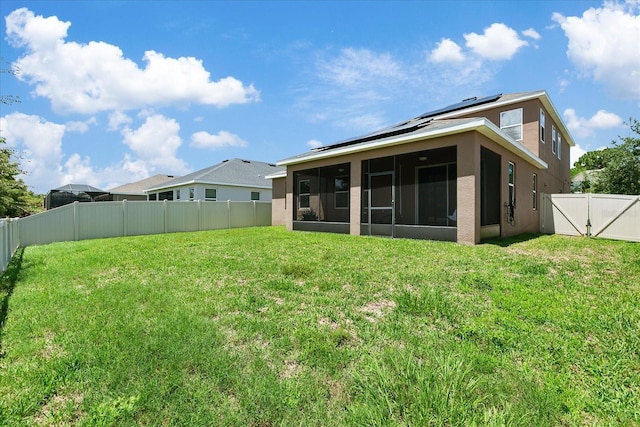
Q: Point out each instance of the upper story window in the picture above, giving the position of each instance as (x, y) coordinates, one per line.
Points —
(559, 146)
(210, 194)
(511, 123)
(542, 125)
(554, 140)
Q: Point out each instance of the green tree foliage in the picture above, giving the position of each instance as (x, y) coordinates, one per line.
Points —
(13, 191)
(15, 198)
(618, 166)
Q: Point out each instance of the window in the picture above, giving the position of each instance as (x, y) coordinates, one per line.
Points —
(153, 196)
(554, 141)
(165, 195)
(177, 194)
(511, 123)
(512, 184)
(210, 194)
(304, 191)
(255, 195)
(559, 145)
(542, 125)
(192, 193)
(534, 191)
(342, 192)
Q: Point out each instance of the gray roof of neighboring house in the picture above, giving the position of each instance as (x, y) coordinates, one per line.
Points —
(138, 187)
(79, 188)
(235, 172)
(436, 123)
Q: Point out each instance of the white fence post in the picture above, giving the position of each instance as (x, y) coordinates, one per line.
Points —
(76, 221)
(166, 216)
(125, 220)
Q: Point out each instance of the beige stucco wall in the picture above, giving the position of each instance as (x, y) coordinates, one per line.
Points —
(555, 179)
(278, 199)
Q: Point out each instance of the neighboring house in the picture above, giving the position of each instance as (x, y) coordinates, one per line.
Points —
(135, 190)
(583, 181)
(72, 193)
(467, 172)
(235, 179)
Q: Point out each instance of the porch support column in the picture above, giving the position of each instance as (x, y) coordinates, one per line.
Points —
(468, 198)
(355, 194)
(288, 194)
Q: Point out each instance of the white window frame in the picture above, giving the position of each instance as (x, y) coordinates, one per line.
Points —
(542, 126)
(178, 194)
(192, 193)
(505, 127)
(511, 177)
(559, 146)
(215, 192)
(554, 139)
(535, 191)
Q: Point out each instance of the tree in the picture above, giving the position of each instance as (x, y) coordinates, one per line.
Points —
(618, 166)
(15, 198)
(13, 191)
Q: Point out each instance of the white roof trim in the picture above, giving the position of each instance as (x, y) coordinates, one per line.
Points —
(482, 125)
(280, 174)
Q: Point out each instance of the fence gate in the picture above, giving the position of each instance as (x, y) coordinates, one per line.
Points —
(610, 216)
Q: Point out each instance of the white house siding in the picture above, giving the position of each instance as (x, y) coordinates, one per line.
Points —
(223, 192)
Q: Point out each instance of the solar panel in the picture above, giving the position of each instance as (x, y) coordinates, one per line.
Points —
(469, 102)
(413, 124)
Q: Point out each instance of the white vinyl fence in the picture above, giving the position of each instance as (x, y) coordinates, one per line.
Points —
(592, 215)
(9, 241)
(80, 221)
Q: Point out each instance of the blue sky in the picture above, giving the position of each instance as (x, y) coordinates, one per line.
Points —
(116, 91)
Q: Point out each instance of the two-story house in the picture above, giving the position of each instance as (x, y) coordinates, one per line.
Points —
(467, 172)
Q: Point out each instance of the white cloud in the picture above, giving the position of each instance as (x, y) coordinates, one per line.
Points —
(584, 127)
(156, 142)
(604, 44)
(575, 153)
(498, 42)
(447, 51)
(117, 119)
(357, 66)
(40, 145)
(216, 141)
(531, 33)
(314, 143)
(80, 126)
(93, 77)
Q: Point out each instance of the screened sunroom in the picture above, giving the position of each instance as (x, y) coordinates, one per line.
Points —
(408, 195)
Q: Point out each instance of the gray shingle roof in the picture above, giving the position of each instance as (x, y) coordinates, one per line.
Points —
(79, 188)
(237, 172)
(138, 187)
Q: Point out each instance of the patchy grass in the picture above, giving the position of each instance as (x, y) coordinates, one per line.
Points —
(263, 327)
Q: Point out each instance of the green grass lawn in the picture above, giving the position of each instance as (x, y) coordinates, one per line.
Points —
(264, 327)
